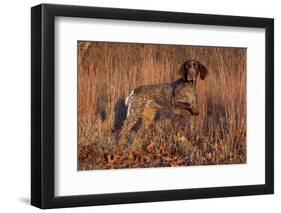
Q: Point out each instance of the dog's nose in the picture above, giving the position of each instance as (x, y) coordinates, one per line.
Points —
(191, 76)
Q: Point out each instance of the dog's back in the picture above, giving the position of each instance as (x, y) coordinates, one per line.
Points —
(154, 95)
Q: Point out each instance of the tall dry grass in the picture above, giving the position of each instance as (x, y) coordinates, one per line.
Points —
(107, 72)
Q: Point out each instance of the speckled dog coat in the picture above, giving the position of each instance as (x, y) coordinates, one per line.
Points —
(178, 97)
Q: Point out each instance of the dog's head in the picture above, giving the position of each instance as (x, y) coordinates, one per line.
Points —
(191, 69)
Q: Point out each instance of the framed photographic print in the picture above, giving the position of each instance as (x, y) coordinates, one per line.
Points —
(140, 106)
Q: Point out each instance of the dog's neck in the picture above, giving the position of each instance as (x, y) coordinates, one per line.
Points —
(183, 81)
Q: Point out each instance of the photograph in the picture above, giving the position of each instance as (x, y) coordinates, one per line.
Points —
(160, 105)
(133, 105)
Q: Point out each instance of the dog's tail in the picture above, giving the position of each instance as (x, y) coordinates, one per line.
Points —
(128, 102)
(128, 99)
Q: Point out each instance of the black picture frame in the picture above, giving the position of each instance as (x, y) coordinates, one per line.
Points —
(43, 105)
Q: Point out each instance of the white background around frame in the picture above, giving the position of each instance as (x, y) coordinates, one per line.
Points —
(70, 182)
(15, 106)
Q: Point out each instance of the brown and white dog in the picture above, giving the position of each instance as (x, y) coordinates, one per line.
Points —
(178, 97)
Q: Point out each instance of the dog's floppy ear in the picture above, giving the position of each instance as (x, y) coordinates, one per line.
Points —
(182, 72)
(203, 71)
